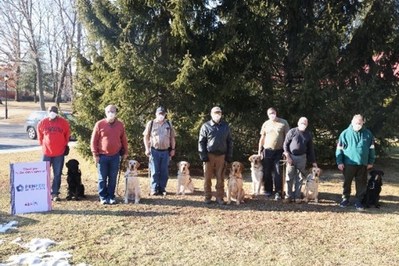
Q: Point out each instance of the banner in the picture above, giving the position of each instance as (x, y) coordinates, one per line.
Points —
(30, 187)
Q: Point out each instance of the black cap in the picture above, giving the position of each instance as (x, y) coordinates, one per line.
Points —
(160, 110)
(53, 109)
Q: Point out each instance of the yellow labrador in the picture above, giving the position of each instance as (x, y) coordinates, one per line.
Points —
(132, 184)
(235, 190)
(184, 182)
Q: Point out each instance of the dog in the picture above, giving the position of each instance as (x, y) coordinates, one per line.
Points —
(256, 174)
(132, 183)
(76, 189)
(374, 185)
(312, 185)
(235, 190)
(184, 182)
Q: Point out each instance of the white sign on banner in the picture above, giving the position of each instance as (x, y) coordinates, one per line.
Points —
(30, 187)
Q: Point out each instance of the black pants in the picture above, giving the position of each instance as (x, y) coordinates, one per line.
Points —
(271, 170)
(359, 172)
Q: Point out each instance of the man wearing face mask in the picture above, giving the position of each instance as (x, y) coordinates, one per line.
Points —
(53, 135)
(355, 154)
(298, 149)
(272, 135)
(215, 146)
(160, 143)
(108, 143)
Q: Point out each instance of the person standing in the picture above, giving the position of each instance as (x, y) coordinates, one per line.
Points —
(160, 143)
(53, 135)
(108, 143)
(272, 135)
(298, 149)
(355, 155)
(215, 147)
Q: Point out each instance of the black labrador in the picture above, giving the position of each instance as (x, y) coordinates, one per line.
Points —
(76, 189)
(374, 185)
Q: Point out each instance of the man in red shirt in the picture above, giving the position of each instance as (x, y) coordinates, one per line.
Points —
(53, 135)
(108, 143)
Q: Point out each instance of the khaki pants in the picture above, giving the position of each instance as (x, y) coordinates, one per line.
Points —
(214, 167)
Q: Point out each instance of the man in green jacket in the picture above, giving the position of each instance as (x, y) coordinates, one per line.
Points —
(355, 155)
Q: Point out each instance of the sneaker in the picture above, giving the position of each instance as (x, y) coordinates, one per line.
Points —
(344, 203)
(359, 207)
(56, 198)
(112, 201)
(208, 201)
(103, 201)
(298, 201)
(277, 197)
(220, 201)
(268, 194)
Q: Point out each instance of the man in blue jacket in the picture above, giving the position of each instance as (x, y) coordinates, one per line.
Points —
(355, 155)
(215, 147)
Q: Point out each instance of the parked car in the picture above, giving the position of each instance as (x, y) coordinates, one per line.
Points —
(34, 119)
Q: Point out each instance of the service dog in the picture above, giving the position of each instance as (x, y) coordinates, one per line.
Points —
(235, 190)
(132, 183)
(76, 189)
(312, 185)
(256, 174)
(374, 185)
(184, 182)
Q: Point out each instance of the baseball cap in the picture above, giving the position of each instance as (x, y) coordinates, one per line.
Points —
(160, 110)
(53, 109)
(216, 109)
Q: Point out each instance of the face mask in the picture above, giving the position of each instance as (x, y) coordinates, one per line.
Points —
(110, 115)
(160, 117)
(216, 117)
(272, 117)
(52, 115)
(301, 127)
(357, 127)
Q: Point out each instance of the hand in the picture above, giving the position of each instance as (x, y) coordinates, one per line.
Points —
(369, 166)
(288, 158)
(147, 153)
(315, 165)
(96, 159)
(124, 157)
(172, 153)
(341, 167)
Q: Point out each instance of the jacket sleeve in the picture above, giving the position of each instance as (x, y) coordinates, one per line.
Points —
(371, 151)
(202, 144)
(287, 142)
(339, 152)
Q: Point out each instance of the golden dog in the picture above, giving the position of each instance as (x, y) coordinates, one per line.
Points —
(256, 174)
(235, 190)
(312, 185)
(184, 182)
(132, 184)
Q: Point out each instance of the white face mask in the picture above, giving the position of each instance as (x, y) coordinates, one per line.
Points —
(110, 116)
(272, 117)
(216, 117)
(357, 127)
(52, 115)
(160, 117)
(302, 127)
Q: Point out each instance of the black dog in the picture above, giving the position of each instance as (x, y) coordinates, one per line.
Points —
(76, 189)
(374, 185)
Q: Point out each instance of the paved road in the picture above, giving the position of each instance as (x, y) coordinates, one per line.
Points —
(14, 138)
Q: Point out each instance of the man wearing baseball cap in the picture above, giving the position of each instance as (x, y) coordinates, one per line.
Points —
(53, 135)
(159, 142)
(215, 147)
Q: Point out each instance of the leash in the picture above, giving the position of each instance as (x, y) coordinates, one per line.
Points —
(119, 176)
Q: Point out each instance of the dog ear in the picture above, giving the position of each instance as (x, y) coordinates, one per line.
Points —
(126, 164)
(188, 164)
(242, 167)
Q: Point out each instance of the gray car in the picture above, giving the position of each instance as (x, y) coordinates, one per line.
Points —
(34, 119)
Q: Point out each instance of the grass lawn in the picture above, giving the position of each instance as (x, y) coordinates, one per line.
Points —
(182, 230)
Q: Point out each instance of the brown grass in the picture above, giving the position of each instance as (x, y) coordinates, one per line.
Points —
(181, 230)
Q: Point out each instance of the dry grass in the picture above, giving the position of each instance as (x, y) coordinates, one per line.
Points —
(181, 230)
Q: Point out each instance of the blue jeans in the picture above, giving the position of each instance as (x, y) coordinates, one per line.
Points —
(56, 163)
(271, 168)
(159, 162)
(108, 168)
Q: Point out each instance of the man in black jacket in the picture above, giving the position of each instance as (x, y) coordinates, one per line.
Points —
(215, 146)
